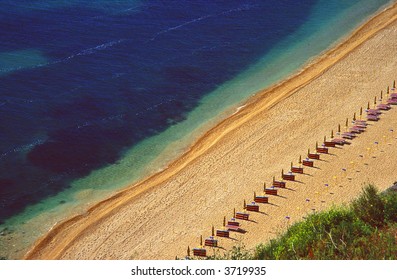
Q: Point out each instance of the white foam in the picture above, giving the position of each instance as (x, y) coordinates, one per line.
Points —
(239, 9)
(23, 148)
(85, 52)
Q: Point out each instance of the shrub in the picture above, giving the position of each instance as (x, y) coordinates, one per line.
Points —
(369, 207)
(390, 203)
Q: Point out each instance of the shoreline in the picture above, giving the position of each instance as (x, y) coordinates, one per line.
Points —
(255, 105)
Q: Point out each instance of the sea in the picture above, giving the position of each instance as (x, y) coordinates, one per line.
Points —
(97, 95)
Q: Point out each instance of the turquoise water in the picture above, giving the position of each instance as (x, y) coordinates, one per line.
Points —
(327, 23)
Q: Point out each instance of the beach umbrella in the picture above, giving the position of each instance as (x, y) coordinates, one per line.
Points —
(394, 84)
(234, 212)
(374, 101)
(201, 240)
(224, 220)
(245, 204)
(354, 117)
(316, 145)
(339, 128)
(361, 112)
(264, 185)
(347, 123)
(282, 173)
(388, 90)
(368, 106)
(188, 251)
(291, 164)
(332, 133)
(254, 195)
(381, 94)
(212, 231)
(300, 159)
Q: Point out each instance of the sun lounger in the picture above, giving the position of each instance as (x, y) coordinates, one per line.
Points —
(348, 135)
(358, 127)
(199, 252)
(233, 222)
(233, 228)
(383, 107)
(242, 216)
(222, 233)
(339, 141)
(372, 118)
(278, 184)
(252, 207)
(374, 112)
(298, 170)
(211, 242)
(261, 199)
(322, 150)
(308, 163)
(271, 191)
(355, 130)
(289, 177)
(313, 156)
(392, 101)
(329, 144)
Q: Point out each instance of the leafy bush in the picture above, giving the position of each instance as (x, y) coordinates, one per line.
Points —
(390, 203)
(369, 207)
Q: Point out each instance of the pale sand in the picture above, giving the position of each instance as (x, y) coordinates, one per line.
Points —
(160, 217)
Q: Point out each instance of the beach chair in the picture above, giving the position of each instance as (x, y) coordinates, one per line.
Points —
(360, 123)
(313, 156)
(199, 252)
(322, 150)
(374, 112)
(358, 127)
(308, 162)
(392, 101)
(297, 169)
(271, 191)
(233, 225)
(253, 207)
(288, 177)
(383, 107)
(278, 184)
(242, 216)
(261, 199)
(355, 130)
(339, 141)
(211, 242)
(372, 118)
(222, 233)
(233, 222)
(329, 144)
(348, 135)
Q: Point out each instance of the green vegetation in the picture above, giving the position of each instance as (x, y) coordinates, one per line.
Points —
(367, 229)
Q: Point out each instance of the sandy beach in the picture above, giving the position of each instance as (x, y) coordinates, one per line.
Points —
(163, 215)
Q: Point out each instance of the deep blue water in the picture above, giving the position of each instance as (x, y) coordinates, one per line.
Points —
(115, 73)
